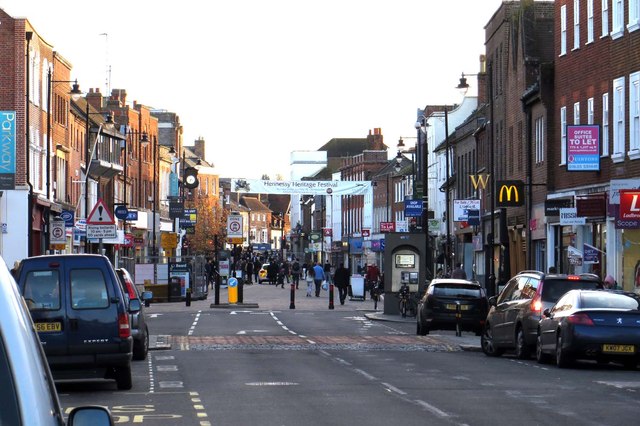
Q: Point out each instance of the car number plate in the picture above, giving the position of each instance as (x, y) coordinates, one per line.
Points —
(48, 327)
(619, 349)
(452, 307)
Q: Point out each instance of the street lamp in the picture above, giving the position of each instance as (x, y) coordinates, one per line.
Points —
(108, 124)
(490, 283)
(75, 95)
(421, 126)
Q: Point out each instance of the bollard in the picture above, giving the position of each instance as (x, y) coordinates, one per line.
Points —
(458, 319)
(188, 297)
(232, 290)
(216, 299)
(331, 296)
(240, 290)
(292, 304)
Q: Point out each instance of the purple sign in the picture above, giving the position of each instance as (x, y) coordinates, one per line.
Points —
(583, 148)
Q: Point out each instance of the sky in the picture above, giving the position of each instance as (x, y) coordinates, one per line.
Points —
(258, 79)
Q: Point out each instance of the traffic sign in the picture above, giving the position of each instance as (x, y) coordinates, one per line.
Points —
(58, 234)
(96, 232)
(121, 211)
(100, 215)
(234, 226)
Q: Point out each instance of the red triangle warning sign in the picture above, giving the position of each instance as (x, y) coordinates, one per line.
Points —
(100, 215)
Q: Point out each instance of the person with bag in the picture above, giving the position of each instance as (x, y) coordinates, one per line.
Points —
(341, 280)
(318, 277)
(295, 272)
(310, 281)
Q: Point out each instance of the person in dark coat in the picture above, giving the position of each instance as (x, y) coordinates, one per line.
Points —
(249, 272)
(459, 272)
(341, 280)
(272, 272)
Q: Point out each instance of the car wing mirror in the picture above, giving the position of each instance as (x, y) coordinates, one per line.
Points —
(93, 415)
(546, 313)
(493, 300)
(134, 306)
(147, 295)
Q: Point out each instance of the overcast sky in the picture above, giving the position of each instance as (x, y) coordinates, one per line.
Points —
(258, 79)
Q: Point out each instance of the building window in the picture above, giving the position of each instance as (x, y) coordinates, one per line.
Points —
(634, 114)
(576, 24)
(590, 111)
(618, 19)
(618, 119)
(563, 135)
(539, 140)
(563, 30)
(589, 21)
(634, 15)
(576, 113)
(605, 18)
(605, 124)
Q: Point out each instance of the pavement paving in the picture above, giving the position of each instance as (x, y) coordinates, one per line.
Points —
(275, 298)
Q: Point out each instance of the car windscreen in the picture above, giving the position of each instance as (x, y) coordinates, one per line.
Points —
(456, 290)
(603, 300)
(554, 289)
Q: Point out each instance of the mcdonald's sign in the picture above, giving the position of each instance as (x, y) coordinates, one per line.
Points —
(510, 193)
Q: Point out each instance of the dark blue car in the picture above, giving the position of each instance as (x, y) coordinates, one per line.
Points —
(78, 307)
(591, 324)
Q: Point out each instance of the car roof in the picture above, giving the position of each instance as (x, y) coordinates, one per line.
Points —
(436, 281)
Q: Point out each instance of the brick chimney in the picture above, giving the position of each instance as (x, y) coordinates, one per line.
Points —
(117, 99)
(94, 98)
(375, 141)
(198, 147)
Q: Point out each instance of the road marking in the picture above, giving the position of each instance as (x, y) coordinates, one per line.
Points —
(272, 384)
(154, 315)
(167, 368)
(365, 374)
(251, 331)
(394, 389)
(621, 385)
(151, 376)
(432, 409)
(171, 384)
(195, 322)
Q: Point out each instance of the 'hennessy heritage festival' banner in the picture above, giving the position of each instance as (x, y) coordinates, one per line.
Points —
(305, 187)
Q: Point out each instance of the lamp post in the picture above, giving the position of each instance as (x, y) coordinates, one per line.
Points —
(421, 126)
(89, 156)
(490, 282)
(75, 95)
(143, 139)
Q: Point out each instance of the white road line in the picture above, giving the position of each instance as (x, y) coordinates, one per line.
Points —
(432, 409)
(394, 389)
(365, 374)
(195, 322)
(152, 383)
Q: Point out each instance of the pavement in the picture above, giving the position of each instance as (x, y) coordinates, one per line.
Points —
(275, 298)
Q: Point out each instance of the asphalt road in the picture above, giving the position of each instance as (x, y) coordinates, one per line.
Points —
(271, 365)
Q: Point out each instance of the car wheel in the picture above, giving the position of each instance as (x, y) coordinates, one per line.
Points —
(541, 357)
(421, 330)
(486, 342)
(522, 350)
(141, 347)
(563, 360)
(123, 377)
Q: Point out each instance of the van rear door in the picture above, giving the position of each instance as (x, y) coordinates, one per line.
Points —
(42, 288)
(93, 310)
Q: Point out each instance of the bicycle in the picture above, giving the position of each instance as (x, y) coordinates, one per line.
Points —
(407, 304)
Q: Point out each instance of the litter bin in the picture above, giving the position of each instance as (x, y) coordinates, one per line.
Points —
(175, 289)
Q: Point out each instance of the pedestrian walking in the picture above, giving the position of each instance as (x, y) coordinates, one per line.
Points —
(309, 277)
(208, 268)
(459, 272)
(272, 273)
(249, 272)
(341, 280)
(318, 277)
(257, 265)
(295, 272)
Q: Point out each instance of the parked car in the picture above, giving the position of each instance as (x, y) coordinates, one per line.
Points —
(443, 298)
(137, 320)
(512, 322)
(262, 273)
(80, 313)
(28, 394)
(591, 324)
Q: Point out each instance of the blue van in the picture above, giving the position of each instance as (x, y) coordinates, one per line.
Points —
(78, 307)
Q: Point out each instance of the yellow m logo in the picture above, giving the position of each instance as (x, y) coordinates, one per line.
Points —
(479, 181)
(510, 193)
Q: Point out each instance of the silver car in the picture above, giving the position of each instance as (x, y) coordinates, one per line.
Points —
(27, 391)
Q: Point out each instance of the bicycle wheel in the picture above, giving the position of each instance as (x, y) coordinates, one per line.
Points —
(403, 307)
(412, 308)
